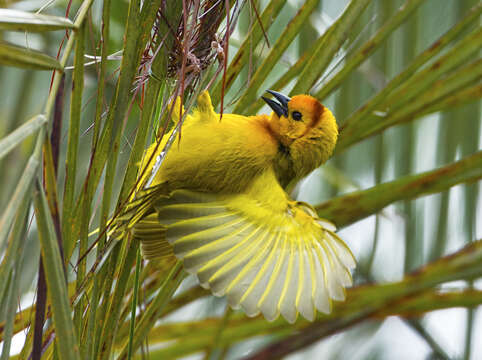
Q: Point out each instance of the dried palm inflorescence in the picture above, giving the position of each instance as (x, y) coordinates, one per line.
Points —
(196, 43)
(197, 37)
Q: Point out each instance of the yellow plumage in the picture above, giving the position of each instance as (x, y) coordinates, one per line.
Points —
(218, 202)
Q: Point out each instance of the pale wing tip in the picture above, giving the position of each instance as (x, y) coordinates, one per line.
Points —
(289, 312)
(290, 315)
(308, 314)
(251, 313)
(235, 306)
(327, 225)
(342, 250)
(271, 316)
(323, 304)
(204, 285)
(270, 311)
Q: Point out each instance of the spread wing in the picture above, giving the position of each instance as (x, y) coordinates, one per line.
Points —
(274, 260)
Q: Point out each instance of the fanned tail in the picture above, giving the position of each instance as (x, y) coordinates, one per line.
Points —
(139, 219)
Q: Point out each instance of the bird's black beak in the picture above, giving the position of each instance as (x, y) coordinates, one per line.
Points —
(280, 107)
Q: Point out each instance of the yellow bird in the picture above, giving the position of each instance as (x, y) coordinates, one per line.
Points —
(218, 203)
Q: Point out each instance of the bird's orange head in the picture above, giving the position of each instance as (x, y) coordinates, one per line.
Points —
(306, 128)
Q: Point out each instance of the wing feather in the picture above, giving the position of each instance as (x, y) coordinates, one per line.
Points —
(286, 303)
(233, 230)
(275, 284)
(322, 297)
(172, 213)
(335, 289)
(344, 276)
(246, 279)
(304, 298)
(206, 273)
(270, 259)
(342, 251)
(191, 226)
(211, 247)
(226, 275)
(263, 272)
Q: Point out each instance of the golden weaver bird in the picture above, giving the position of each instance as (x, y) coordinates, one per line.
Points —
(218, 202)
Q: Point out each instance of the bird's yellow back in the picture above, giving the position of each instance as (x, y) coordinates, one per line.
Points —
(224, 155)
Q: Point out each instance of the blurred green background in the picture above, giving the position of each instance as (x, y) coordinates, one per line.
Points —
(421, 124)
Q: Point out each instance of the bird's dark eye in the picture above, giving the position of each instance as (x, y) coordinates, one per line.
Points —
(296, 115)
